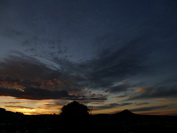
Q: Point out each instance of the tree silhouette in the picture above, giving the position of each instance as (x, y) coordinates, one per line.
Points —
(74, 109)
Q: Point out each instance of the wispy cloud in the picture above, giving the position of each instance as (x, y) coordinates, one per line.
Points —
(109, 106)
(102, 72)
(155, 92)
(149, 108)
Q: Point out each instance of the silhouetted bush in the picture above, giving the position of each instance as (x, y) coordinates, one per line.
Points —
(74, 109)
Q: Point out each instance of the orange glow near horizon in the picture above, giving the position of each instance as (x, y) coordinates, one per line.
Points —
(36, 107)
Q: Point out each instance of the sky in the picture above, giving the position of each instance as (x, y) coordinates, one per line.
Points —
(110, 55)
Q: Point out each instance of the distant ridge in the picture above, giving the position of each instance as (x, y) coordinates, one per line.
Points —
(125, 112)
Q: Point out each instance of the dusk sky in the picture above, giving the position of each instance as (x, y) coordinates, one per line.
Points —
(110, 55)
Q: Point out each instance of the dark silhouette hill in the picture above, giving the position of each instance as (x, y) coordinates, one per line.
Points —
(125, 112)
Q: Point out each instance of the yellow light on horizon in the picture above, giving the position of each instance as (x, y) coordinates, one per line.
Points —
(26, 111)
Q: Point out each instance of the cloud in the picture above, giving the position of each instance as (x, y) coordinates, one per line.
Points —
(113, 66)
(22, 107)
(59, 55)
(102, 72)
(141, 103)
(155, 91)
(141, 90)
(119, 87)
(27, 70)
(149, 108)
(27, 78)
(120, 57)
(35, 94)
(23, 66)
(109, 66)
(113, 105)
(109, 106)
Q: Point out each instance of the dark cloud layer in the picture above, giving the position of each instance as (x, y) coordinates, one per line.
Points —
(58, 49)
(106, 72)
(109, 66)
(35, 94)
(96, 73)
(23, 66)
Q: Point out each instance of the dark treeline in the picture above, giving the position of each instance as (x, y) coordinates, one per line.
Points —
(75, 117)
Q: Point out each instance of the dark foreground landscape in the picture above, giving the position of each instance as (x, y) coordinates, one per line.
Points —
(121, 122)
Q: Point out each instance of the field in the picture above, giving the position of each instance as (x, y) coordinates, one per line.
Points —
(123, 122)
